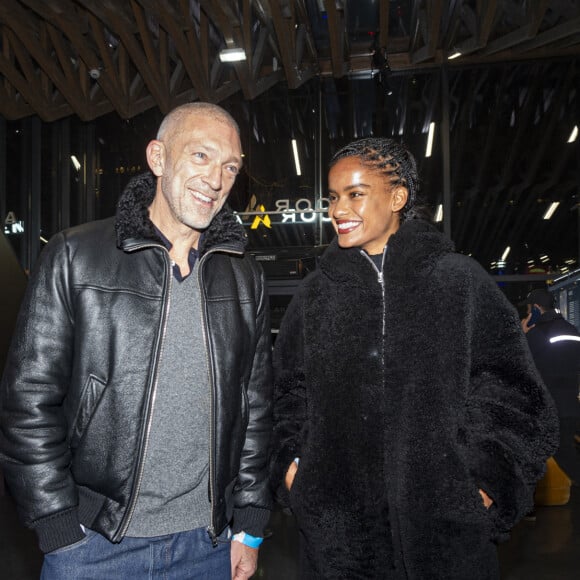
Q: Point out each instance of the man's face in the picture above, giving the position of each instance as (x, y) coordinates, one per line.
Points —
(363, 205)
(202, 159)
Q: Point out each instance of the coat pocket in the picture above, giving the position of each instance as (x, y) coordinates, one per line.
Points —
(92, 393)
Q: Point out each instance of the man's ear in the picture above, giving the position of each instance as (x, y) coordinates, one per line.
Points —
(399, 198)
(156, 157)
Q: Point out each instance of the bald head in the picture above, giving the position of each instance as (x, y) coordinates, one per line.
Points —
(174, 120)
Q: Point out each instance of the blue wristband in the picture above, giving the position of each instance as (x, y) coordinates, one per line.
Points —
(247, 540)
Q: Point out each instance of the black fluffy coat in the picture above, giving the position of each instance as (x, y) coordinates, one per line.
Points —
(402, 402)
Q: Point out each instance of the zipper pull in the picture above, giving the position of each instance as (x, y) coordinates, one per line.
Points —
(381, 278)
(212, 535)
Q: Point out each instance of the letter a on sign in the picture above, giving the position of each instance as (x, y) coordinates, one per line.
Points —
(265, 219)
(10, 218)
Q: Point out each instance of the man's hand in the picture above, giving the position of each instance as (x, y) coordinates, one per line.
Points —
(525, 321)
(487, 501)
(244, 561)
(290, 475)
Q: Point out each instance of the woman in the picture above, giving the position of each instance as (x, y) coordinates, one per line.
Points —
(410, 426)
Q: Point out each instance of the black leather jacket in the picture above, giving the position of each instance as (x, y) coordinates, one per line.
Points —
(79, 385)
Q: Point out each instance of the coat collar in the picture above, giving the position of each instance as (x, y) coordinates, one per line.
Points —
(134, 226)
(412, 251)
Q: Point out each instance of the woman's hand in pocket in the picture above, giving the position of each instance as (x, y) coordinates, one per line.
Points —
(487, 501)
(290, 475)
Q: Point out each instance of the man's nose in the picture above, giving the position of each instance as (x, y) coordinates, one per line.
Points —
(213, 176)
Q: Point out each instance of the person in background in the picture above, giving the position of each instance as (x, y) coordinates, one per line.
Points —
(135, 408)
(409, 424)
(555, 347)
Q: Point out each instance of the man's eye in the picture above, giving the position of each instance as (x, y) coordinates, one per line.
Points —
(233, 169)
(200, 155)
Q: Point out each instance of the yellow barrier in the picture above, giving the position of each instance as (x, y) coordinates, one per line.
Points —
(554, 487)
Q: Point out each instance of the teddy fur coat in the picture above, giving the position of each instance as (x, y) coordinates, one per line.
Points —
(403, 397)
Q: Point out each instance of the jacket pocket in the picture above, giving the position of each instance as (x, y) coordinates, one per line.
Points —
(245, 407)
(92, 393)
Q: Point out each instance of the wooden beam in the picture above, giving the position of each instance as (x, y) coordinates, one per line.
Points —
(283, 34)
(26, 46)
(71, 24)
(119, 96)
(384, 24)
(181, 30)
(433, 25)
(336, 33)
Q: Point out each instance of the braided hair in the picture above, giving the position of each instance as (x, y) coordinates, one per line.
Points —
(393, 160)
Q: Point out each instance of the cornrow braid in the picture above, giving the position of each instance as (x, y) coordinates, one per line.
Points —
(390, 158)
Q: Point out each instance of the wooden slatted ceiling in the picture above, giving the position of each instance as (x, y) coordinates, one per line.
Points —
(158, 53)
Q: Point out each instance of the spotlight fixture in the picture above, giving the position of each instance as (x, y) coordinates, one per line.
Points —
(232, 55)
(296, 157)
(76, 163)
(430, 135)
(550, 211)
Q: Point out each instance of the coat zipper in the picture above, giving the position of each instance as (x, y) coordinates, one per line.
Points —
(212, 527)
(138, 480)
(381, 281)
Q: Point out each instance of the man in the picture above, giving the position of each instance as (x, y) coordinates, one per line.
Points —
(135, 405)
(555, 347)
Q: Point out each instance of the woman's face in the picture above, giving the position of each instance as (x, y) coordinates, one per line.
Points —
(363, 205)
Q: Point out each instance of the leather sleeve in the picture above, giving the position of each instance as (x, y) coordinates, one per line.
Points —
(252, 496)
(34, 451)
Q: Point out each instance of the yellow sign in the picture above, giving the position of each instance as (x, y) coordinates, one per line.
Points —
(265, 219)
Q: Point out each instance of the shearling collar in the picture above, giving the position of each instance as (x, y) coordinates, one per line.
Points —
(412, 251)
(133, 223)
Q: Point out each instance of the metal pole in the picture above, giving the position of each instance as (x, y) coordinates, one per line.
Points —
(318, 168)
(446, 150)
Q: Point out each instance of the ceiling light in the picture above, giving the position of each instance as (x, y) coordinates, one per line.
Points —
(505, 254)
(454, 55)
(439, 213)
(75, 162)
(296, 158)
(573, 135)
(550, 211)
(232, 54)
(430, 140)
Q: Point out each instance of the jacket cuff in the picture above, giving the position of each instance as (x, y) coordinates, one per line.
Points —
(58, 530)
(250, 520)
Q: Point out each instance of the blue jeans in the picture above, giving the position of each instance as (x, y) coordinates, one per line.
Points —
(183, 556)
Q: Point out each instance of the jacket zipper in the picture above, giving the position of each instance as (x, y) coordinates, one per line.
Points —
(395, 513)
(381, 281)
(210, 367)
(159, 350)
